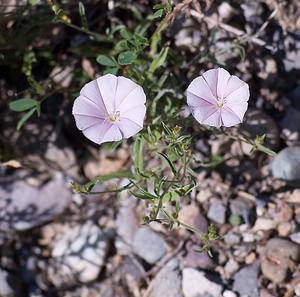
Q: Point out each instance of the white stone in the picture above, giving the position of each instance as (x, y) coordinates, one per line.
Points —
(228, 293)
(264, 224)
(195, 283)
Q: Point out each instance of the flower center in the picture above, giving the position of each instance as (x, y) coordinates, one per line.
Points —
(220, 102)
(114, 116)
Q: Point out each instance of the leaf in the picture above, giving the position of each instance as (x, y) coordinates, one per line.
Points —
(158, 14)
(106, 61)
(266, 150)
(82, 15)
(25, 118)
(140, 196)
(242, 52)
(169, 132)
(158, 6)
(125, 34)
(156, 38)
(119, 174)
(144, 192)
(126, 57)
(113, 71)
(170, 163)
(22, 104)
(178, 193)
(122, 45)
(158, 61)
(138, 154)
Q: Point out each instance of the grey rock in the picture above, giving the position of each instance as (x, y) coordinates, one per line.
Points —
(286, 166)
(81, 251)
(251, 9)
(291, 126)
(292, 59)
(8, 284)
(217, 213)
(27, 207)
(276, 259)
(168, 281)
(232, 238)
(246, 282)
(295, 237)
(194, 284)
(148, 244)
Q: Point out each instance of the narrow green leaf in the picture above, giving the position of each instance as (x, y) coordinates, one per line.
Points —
(242, 52)
(156, 38)
(119, 174)
(178, 193)
(170, 163)
(140, 196)
(169, 132)
(82, 15)
(106, 61)
(266, 150)
(26, 116)
(126, 57)
(146, 193)
(125, 34)
(158, 61)
(158, 13)
(138, 154)
(158, 6)
(22, 104)
(113, 71)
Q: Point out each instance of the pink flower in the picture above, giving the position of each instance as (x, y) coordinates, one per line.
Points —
(217, 98)
(110, 108)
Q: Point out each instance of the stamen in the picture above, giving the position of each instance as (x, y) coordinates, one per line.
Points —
(114, 116)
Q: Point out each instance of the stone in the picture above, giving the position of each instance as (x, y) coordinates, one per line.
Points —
(291, 126)
(8, 284)
(232, 238)
(188, 213)
(285, 214)
(168, 281)
(284, 229)
(126, 225)
(27, 207)
(228, 293)
(286, 165)
(295, 237)
(194, 283)
(197, 260)
(148, 244)
(277, 259)
(246, 280)
(81, 251)
(264, 224)
(225, 11)
(217, 213)
(230, 268)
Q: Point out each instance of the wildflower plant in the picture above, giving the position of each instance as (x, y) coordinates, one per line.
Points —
(139, 94)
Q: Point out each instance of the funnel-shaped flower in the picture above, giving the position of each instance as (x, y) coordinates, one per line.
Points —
(217, 98)
(110, 108)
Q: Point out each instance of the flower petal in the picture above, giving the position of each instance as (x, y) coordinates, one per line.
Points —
(91, 91)
(108, 86)
(223, 77)
(135, 98)
(84, 106)
(112, 134)
(229, 118)
(199, 88)
(214, 119)
(234, 84)
(202, 113)
(124, 87)
(135, 114)
(239, 108)
(128, 127)
(86, 121)
(211, 78)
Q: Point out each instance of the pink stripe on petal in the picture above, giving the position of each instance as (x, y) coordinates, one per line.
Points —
(203, 112)
(223, 77)
(239, 95)
(199, 88)
(107, 86)
(83, 105)
(129, 127)
(234, 83)
(84, 121)
(196, 101)
(229, 118)
(135, 98)
(111, 134)
(125, 87)
(239, 108)
(135, 114)
(95, 133)
(214, 119)
(211, 78)
(91, 92)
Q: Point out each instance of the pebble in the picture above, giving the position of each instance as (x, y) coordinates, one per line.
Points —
(295, 237)
(148, 244)
(168, 281)
(285, 214)
(246, 282)
(27, 207)
(6, 281)
(286, 165)
(225, 11)
(198, 260)
(291, 126)
(194, 283)
(297, 290)
(217, 213)
(277, 257)
(230, 268)
(81, 250)
(284, 229)
(228, 293)
(232, 238)
(264, 224)
(250, 258)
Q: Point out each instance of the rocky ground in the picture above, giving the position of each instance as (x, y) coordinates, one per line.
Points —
(56, 243)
